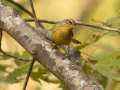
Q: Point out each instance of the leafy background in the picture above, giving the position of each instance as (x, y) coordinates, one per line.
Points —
(101, 48)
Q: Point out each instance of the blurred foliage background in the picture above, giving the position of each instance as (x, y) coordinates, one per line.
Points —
(100, 48)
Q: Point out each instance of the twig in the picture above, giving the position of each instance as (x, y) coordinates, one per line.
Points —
(1, 50)
(21, 7)
(33, 61)
(25, 10)
(42, 21)
(15, 57)
(34, 15)
(54, 22)
(81, 24)
(28, 74)
(100, 27)
(0, 38)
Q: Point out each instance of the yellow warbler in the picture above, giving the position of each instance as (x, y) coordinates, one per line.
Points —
(62, 32)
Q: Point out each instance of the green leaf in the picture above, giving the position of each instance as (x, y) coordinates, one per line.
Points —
(3, 72)
(16, 75)
(4, 57)
(109, 65)
(95, 75)
(10, 3)
(26, 55)
(44, 74)
(2, 76)
(114, 21)
(113, 34)
(3, 67)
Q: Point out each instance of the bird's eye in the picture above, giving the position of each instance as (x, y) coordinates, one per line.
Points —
(70, 21)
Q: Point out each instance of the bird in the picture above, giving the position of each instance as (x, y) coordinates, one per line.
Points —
(62, 35)
(62, 32)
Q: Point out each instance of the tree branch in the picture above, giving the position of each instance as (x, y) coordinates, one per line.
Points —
(101, 27)
(72, 75)
(21, 7)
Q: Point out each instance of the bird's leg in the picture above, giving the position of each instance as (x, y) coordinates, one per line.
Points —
(66, 51)
(62, 48)
(54, 46)
(73, 54)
